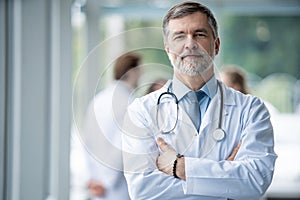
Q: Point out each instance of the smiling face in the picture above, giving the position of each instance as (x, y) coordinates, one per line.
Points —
(190, 44)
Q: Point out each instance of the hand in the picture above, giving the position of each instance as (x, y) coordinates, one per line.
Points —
(96, 188)
(166, 160)
(234, 152)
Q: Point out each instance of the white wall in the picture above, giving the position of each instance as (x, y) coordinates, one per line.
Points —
(2, 97)
(38, 99)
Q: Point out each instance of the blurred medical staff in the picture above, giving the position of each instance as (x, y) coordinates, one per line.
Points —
(101, 133)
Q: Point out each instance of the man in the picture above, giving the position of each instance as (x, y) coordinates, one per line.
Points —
(185, 157)
(102, 135)
(234, 77)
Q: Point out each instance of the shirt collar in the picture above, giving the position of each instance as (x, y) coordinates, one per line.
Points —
(180, 89)
(210, 88)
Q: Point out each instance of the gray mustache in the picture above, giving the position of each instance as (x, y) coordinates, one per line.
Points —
(198, 53)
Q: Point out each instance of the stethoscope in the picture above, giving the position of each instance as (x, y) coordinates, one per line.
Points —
(218, 134)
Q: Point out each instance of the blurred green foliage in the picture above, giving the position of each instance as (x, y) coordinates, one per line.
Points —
(269, 47)
(277, 89)
(262, 44)
(149, 56)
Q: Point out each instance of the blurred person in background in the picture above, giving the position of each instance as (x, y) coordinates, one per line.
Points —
(235, 77)
(102, 134)
(159, 83)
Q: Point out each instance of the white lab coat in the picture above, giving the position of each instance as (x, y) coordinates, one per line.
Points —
(102, 137)
(208, 174)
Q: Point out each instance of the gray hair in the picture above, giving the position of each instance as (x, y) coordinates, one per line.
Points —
(187, 8)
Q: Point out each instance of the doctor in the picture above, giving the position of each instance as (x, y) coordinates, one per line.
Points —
(101, 130)
(220, 147)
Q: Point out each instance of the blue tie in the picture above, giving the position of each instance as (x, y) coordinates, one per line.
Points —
(200, 96)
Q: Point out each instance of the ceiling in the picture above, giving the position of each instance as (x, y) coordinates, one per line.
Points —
(157, 8)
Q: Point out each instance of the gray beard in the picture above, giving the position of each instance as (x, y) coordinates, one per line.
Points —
(192, 67)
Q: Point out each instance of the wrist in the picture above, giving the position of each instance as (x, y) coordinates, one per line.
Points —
(180, 169)
(176, 173)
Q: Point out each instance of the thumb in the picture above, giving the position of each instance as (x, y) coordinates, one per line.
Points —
(162, 144)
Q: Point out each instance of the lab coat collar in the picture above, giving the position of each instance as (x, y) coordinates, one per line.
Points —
(228, 95)
(123, 84)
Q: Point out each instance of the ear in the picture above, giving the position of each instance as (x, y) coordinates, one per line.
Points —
(217, 46)
(166, 47)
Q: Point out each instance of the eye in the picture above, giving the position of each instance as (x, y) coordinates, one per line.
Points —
(178, 37)
(200, 35)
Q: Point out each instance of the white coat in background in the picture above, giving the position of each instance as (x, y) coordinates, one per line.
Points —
(102, 137)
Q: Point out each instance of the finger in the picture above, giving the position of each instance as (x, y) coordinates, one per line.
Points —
(236, 149)
(234, 152)
(162, 144)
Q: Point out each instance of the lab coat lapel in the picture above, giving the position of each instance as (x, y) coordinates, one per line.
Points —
(185, 132)
(186, 120)
(183, 135)
(211, 117)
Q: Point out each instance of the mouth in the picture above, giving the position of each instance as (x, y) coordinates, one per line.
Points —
(193, 56)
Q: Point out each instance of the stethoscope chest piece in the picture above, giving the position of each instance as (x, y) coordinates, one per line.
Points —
(219, 134)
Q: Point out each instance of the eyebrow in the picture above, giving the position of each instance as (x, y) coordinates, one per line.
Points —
(177, 33)
(200, 30)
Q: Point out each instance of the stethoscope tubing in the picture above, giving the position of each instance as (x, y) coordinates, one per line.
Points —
(221, 105)
(218, 134)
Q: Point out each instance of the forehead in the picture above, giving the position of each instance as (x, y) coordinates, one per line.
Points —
(196, 20)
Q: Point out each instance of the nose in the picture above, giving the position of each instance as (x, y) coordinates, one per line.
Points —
(191, 44)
